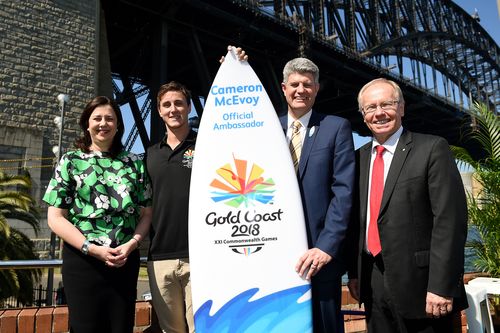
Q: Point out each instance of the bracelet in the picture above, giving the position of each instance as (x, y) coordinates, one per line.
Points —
(138, 243)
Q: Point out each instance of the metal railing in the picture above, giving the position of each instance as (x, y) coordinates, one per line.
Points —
(41, 296)
(39, 263)
(30, 264)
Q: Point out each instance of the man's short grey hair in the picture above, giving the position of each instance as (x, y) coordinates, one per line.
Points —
(394, 85)
(301, 66)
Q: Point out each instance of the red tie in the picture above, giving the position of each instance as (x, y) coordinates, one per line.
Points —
(376, 191)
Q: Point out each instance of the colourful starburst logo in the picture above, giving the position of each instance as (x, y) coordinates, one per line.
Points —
(188, 154)
(187, 158)
(237, 187)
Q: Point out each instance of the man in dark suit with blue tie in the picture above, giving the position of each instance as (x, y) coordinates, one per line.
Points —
(410, 219)
(324, 153)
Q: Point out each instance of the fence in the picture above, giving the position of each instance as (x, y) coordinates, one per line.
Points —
(39, 298)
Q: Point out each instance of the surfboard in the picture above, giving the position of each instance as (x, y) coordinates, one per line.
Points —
(246, 223)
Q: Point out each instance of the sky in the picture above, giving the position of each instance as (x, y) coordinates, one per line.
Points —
(489, 15)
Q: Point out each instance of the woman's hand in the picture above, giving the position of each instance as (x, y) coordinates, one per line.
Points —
(113, 257)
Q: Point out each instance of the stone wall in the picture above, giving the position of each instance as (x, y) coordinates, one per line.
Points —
(46, 48)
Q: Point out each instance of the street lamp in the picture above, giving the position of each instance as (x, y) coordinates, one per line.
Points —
(59, 121)
(57, 150)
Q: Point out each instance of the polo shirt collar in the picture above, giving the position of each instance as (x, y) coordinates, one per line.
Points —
(191, 137)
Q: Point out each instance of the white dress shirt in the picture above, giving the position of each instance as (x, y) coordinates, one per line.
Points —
(304, 121)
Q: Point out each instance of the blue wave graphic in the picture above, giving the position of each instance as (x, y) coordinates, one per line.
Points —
(279, 312)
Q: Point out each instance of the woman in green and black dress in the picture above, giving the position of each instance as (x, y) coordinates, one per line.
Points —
(100, 205)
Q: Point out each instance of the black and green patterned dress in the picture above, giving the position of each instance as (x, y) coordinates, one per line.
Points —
(103, 195)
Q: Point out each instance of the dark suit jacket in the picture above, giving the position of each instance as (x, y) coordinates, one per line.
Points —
(326, 180)
(422, 223)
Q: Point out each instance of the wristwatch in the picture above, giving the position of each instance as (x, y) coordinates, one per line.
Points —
(85, 247)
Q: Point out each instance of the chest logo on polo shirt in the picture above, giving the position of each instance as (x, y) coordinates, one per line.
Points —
(187, 158)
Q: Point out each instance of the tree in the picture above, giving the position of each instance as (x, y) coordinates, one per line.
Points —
(484, 208)
(17, 203)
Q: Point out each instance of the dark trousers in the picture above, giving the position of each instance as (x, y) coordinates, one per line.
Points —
(381, 313)
(326, 300)
(100, 298)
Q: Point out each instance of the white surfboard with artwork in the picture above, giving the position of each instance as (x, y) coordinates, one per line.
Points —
(246, 224)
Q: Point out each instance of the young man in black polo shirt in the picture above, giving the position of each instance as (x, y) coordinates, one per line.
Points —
(169, 165)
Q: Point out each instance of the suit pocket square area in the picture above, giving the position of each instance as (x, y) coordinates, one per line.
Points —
(422, 258)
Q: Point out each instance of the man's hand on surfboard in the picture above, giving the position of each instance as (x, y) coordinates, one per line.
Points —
(240, 53)
(311, 262)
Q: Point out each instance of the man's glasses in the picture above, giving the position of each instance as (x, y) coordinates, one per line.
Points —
(386, 106)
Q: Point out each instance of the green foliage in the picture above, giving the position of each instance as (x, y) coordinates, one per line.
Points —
(484, 207)
(17, 203)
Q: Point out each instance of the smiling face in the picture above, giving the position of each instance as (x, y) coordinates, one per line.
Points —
(174, 110)
(103, 126)
(382, 123)
(300, 92)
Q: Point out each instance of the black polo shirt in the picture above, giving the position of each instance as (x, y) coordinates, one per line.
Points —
(170, 174)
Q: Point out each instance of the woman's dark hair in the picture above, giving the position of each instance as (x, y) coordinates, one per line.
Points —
(85, 141)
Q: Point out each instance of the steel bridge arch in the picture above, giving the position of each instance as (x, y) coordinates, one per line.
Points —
(353, 41)
(425, 31)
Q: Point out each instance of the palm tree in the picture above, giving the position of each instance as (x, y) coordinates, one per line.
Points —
(17, 203)
(484, 208)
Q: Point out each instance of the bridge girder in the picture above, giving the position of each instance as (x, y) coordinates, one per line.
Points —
(352, 41)
(412, 29)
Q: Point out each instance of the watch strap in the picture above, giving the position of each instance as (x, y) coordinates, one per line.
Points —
(85, 247)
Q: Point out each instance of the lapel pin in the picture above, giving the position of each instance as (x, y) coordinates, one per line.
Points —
(404, 149)
(311, 131)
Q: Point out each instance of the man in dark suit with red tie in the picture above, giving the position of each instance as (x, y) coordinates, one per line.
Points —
(323, 153)
(410, 222)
